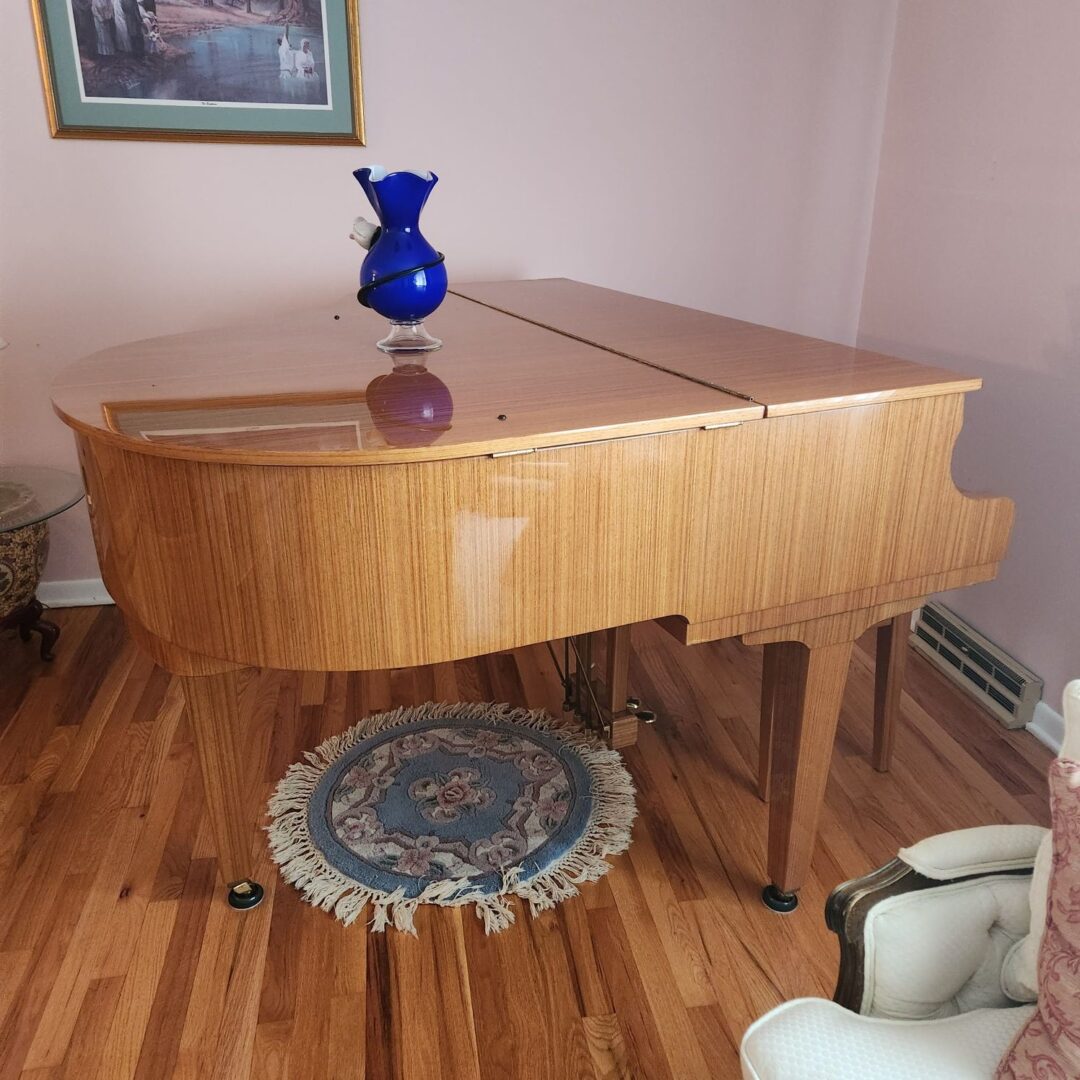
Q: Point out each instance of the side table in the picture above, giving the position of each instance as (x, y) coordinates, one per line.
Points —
(29, 496)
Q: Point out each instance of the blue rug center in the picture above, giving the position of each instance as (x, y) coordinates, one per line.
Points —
(453, 799)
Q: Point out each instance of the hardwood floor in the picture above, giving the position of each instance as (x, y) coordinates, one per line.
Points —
(120, 959)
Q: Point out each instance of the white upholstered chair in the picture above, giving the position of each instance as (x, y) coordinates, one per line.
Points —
(938, 954)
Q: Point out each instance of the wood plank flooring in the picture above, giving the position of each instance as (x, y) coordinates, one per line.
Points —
(120, 960)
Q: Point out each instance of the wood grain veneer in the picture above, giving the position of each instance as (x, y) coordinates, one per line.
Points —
(296, 390)
(322, 569)
(788, 373)
(213, 708)
(796, 519)
(809, 687)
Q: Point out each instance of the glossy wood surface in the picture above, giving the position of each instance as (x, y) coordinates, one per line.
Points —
(213, 709)
(788, 373)
(643, 494)
(119, 958)
(360, 568)
(806, 708)
(311, 388)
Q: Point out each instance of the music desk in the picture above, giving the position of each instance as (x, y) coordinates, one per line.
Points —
(572, 460)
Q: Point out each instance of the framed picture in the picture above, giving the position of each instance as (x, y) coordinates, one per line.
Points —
(224, 70)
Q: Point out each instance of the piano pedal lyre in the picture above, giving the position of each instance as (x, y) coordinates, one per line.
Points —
(646, 716)
(592, 699)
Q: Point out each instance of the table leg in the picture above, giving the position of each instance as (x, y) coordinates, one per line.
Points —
(214, 708)
(892, 648)
(28, 619)
(809, 686)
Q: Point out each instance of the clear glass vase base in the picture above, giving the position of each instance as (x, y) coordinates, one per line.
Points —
(409, 337)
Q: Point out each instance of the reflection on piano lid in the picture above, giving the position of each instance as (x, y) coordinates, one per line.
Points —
(269, 422)
(310, 387)
(408, 406)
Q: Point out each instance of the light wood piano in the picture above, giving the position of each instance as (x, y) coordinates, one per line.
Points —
(572, 460)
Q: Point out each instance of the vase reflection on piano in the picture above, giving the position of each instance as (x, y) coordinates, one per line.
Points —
(409, 406)
(403, 277)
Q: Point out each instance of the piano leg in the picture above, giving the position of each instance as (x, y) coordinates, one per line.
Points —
(804, 673)
(765, 727)
(214, 708)
(890, 660)
(892, 648)
(807, 690)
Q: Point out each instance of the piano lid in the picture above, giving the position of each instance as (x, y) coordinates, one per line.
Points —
(312, 388)
(785, 372)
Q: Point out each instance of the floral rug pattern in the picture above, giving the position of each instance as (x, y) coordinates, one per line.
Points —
(385, 835)
(449, 805)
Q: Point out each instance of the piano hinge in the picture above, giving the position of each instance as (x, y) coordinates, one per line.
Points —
(729, 423)
(513, 453)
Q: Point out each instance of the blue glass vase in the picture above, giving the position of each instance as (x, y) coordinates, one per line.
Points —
(403, 277)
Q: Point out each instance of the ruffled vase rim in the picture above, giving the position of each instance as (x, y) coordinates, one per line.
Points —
(376, 173)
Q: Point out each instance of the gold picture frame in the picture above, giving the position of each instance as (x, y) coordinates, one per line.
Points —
(52, 30)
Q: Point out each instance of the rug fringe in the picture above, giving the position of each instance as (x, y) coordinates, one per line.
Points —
(303, 865)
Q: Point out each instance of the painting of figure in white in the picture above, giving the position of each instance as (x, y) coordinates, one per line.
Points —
(229, 52)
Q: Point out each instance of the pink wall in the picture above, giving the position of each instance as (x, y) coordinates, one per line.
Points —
(975, 261)
(720, 154)
(717, 153)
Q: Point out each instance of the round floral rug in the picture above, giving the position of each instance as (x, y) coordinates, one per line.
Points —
(450, 804)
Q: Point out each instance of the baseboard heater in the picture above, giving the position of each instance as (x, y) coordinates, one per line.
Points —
(1002, 685)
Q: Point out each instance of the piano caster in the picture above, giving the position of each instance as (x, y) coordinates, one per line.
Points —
(244, 895)
(775, 900)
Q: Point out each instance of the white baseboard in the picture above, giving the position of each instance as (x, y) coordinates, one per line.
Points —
(83, 592)
(1048, 727)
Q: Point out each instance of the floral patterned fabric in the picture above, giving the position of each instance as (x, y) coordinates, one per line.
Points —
(22, 558)
(1048, 1046)
(450, 799)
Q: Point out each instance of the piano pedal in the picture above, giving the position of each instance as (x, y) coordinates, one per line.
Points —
(646, 716)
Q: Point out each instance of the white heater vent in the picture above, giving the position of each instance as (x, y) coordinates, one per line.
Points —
(994, 679)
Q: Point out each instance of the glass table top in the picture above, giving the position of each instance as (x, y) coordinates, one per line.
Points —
(29, 494)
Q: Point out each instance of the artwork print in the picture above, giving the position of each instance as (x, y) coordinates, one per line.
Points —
(268, 70)
(263, 52)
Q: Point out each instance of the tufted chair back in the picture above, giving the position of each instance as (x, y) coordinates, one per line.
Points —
(940, 954)
(973, 941)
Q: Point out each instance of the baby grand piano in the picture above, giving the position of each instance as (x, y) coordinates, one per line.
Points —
(572, 460)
